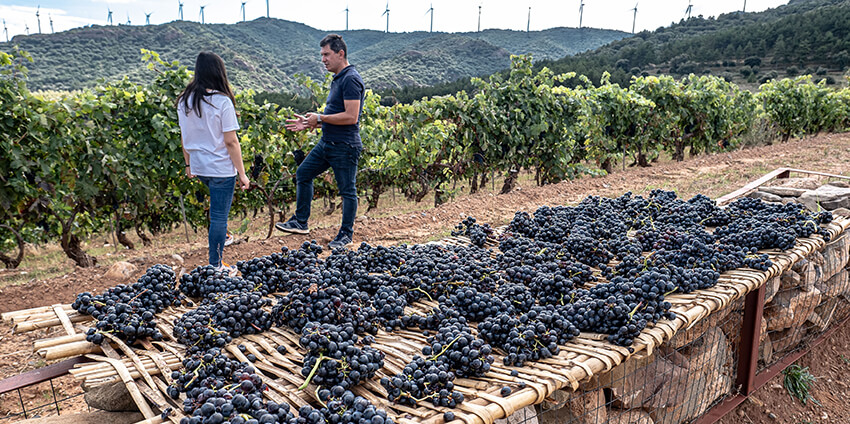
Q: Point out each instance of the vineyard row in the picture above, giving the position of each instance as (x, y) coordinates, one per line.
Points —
(109, 158)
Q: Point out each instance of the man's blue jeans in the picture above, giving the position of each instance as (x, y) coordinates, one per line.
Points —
(343, 158)
(221, 198)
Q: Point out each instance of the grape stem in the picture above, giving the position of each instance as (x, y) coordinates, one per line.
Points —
(445, 348)
(313, 371)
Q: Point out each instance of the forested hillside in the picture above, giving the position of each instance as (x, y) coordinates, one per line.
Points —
(803, 37)
(264, 54)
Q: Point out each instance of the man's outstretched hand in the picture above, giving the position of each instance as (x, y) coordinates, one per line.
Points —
(299, 123)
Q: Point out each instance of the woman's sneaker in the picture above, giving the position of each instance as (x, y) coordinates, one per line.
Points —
(292, 226)
(339, 242)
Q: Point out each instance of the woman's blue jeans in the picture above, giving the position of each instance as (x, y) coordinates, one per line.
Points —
(221, 198)
(343, 158)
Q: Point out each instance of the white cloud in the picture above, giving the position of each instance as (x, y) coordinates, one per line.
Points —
(18, 18)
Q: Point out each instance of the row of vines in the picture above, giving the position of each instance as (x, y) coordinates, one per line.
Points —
(109, 158)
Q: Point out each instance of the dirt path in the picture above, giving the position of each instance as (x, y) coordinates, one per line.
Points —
(713, 175)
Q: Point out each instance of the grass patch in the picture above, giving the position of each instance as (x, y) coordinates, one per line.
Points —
(798, 381)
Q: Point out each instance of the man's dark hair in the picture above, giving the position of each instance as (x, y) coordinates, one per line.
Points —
(335, 43)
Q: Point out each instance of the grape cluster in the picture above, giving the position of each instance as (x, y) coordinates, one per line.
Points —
(127, 311)
(478, 234)
(343, 407)
(531, 336)
(218, 320)
(207, 281)
(333, 359)
(455, 346)
(423, 380)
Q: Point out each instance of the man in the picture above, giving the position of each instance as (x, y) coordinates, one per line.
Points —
(339, 147)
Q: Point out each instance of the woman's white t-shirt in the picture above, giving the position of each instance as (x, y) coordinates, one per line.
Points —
(203, 137)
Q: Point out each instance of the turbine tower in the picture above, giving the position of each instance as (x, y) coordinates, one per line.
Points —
(634, 18)
(27, 28)
(346, 17)
(528, 23)
(243, 10)
(479, 18)
(202, 14)
(431, 11)
(690, 7)
(109, 17)
(180, 11)
(580, 13)
(268, 15)
(128, 18)
(51, 24)
(6, 30)
(745, 6)
(38, 18)
(387, 12)
(148, 18)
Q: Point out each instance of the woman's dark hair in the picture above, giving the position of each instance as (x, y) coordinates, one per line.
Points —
(209, 75)
(335, 43)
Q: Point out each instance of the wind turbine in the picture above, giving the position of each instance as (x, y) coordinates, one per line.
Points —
(431, 11)
(346, 17)
(267, 9)
(202, 14)
(528, 24)
(580, 13)
(27, 28)
(387, 12)
(51, 24)
(148, 18)
(180, 12)
(634, 19)
(6, 30)
(688, 10)
(128, 18)
(479, 18)
(109, 17)
(243, 10)
(38, 18)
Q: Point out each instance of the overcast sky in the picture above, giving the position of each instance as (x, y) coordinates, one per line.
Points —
(405, 15)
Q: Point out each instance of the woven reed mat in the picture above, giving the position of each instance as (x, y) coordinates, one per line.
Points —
(147, 369)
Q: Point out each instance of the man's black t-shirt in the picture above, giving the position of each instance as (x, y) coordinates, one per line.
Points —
(346, 85)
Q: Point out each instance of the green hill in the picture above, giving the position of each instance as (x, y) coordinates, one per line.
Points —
(804, 36)
(264, 53)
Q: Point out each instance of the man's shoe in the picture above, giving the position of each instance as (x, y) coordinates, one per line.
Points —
(227, 270)
(292, 226)
(229, 240)
(339, 242)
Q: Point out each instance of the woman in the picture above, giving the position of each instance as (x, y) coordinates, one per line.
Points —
(208, 125)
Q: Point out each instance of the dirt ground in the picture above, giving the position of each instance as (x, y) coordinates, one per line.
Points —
(713, 175)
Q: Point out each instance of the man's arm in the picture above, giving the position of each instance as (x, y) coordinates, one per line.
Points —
(347, 117)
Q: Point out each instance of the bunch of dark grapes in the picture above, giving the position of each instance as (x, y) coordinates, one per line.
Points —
(475, 306)
(477, 233)
(257, 166)
(207, 281)
(456, 346)
(423, 380)
(217, 321)
(434, 319)
(334, 360)
(522, 225)
(335, 304)
(519, 296)
(343, 407)
(127, 311)
(223, 390)
(389, 306)
(531, 336)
